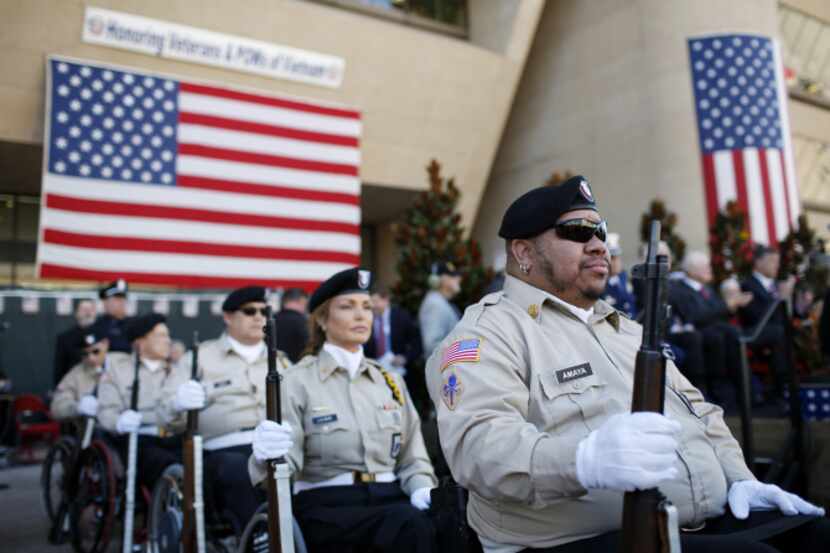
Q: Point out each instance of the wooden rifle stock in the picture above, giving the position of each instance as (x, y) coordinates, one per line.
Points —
(189, 541)
(645, 527)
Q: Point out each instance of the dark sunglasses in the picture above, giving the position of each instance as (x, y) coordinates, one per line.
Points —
(251, 311)
(87, 352)
(581, 230)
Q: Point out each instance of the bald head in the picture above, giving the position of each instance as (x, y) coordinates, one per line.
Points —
(696, 266)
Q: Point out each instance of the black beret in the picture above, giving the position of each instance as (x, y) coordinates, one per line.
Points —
(760, 250)
(241, 296)
(138, 327)
(115, 288)
(537, 210)
(444, 268)
(344, 282)
(91, 335)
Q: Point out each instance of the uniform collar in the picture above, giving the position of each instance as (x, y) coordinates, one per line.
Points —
(328, 365)
(227, 345)
(531, 299)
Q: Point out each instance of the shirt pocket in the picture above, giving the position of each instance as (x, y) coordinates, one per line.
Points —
(330, 442)
(227, 386)
(576, 406)
(388, 436)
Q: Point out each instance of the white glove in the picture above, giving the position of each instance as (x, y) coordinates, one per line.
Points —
(629, 451)
(272, 440)
(128, 422)
(190, 395)
(746, 495)
(88, 406)
(421, 499)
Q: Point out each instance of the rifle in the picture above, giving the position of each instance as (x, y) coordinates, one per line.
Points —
(649, 519)
(193, 524)
(280, 520)
(89, 427)
(132, 458)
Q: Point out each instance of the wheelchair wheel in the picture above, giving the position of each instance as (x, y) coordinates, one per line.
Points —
(92, 510)
(56, 470)
(255, 536)
(166, 514)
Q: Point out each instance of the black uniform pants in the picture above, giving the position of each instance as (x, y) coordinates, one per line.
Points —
(722, 353)
(762, 532)
(154, 455)
(376, 517)
(772, 339)
(226, 476)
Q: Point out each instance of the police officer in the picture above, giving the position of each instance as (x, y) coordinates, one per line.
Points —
(533, 393)
(437, 315)
(231, 395)
(114, 318)
(619, 292)
(74, 395)
(156, 449)
(352, 437)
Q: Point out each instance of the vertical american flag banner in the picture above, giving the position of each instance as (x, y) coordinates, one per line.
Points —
(742, 123)
(171, 182)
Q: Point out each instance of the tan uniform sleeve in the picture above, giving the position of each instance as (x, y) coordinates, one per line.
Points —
(112, 400)
(488, 442)
(414, 468)
(65, 400)
(727, 448)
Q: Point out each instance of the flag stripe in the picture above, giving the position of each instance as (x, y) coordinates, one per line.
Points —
(264, 144)
(55, 201)
(255, 189)
(755, 195)
(740, 182)
(725, 172)
(270, 130)
(260, 174)
(242, 205)
(768, 201)
(265, 159)
(710, 188)
(220, 233)
(787, 189)
(779, 202)
(51, 270)
(269, 100)
(189, 247)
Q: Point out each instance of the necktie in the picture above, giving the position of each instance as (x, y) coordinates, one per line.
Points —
(705, 293)
(380, 338)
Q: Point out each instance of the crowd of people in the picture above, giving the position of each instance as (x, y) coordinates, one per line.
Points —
(530, 389)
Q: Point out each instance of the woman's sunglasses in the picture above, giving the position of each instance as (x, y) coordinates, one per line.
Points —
(88, 352)
(581, 230)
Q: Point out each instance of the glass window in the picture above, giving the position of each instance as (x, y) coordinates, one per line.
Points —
(449, 13)
(805, 47)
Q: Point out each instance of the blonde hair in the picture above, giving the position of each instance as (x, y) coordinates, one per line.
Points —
(316, 334)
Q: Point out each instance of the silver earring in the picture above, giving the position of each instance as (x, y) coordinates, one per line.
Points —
(524, 268)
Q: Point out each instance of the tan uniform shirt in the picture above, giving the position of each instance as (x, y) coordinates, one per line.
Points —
(344, 425)
(528, 384)
(115, 389)
(75, 384)
(235, 390)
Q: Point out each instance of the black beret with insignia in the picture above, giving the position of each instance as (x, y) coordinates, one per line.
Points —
(241, 296)
(445, 268)
(538, 210)
(138, 327)
(344, 282)
(115, 288)
(91, 335)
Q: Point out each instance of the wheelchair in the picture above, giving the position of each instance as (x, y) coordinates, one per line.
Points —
(166, 519)
(56, 476)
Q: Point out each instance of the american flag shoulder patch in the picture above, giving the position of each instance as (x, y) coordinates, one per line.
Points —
(462, 351)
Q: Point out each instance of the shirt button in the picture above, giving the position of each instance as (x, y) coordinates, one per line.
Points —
(577, 386)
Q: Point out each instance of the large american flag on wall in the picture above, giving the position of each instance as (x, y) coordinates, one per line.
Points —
(744, 132)
(166, 181)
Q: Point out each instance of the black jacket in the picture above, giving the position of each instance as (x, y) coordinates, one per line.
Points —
(695, 308)
(67, 351)
(753, 312)
(116, 332)
(292, 333)
(405, 338)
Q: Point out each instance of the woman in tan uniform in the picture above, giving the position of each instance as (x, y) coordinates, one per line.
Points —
(350, 433)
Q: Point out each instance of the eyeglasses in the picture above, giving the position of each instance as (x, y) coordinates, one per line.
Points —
(88, 352)
(581, 230)
(251, 311)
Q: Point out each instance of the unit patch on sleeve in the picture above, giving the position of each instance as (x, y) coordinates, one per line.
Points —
(451, 390)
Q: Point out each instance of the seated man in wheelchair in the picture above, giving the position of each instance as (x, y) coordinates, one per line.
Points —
(351, 435)
(75, 394)
(231, 396)
(156, 447)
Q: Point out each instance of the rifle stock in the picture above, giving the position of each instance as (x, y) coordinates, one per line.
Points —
(647, 514)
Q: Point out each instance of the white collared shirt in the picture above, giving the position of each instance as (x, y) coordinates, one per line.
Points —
(246, 352)
(766, 282)
(152, 364)
(693, 284)
(345, 358)
(582, 314)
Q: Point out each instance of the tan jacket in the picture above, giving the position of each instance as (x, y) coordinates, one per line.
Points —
(342, 425)
(510, 421)
(75, 384)
(115, 389)
(235, 390)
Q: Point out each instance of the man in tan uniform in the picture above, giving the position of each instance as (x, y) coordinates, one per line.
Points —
(157, 449)
(231, 396)
(533, 394)
(75, 395)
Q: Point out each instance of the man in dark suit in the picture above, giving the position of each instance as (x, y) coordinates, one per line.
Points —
(619, 291)
(765, 291)
(114, 319)
(395, 341)
(292, 323)
(697, 304)
(67, 353)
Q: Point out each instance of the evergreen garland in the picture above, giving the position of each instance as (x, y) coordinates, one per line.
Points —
(668, 221)
(729, 244)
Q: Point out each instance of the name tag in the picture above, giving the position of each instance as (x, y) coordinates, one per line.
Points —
(574, 373)
(221, 384)
(324, 419)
